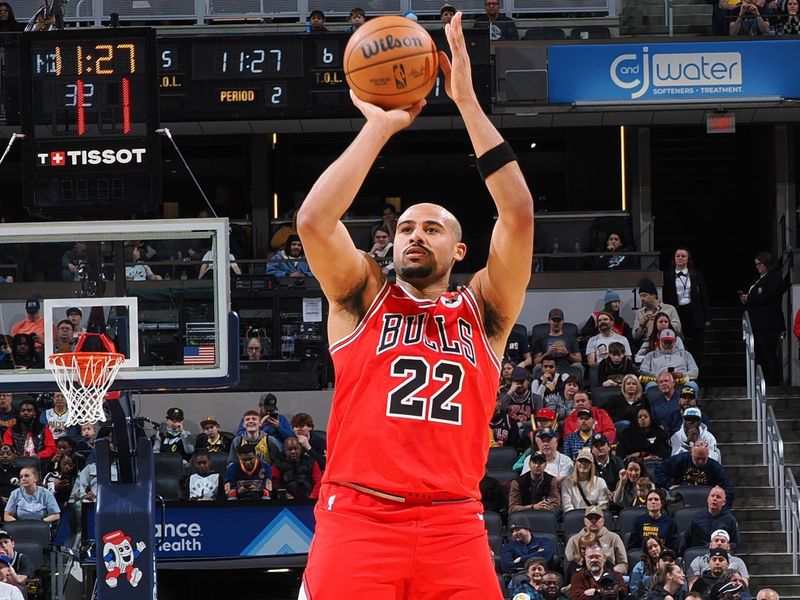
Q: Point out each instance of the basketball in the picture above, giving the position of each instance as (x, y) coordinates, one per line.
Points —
(391, 62)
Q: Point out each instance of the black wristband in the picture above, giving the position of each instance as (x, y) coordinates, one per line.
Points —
(495, 159)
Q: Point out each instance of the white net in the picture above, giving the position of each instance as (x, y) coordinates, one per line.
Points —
(84, 379)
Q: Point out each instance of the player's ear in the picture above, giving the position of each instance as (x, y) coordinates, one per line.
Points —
(461, 251)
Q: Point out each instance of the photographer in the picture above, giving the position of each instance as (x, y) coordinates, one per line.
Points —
(749, 20)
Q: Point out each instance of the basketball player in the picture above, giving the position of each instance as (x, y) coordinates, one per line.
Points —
(399, 513)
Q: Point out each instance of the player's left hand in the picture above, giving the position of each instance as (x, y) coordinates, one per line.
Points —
(392, 120)
(458, 70)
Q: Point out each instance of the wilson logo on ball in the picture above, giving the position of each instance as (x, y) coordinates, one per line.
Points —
(375, 47)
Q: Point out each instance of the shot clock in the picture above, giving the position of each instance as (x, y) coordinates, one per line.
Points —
(90, 124)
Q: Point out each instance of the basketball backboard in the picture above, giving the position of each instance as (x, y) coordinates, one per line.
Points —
(159, 289)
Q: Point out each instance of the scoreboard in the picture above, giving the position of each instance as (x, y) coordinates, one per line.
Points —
(89, 114)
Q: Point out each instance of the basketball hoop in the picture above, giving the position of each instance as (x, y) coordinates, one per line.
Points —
(84, 378)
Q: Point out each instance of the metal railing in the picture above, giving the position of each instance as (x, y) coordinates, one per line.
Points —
(787, 495)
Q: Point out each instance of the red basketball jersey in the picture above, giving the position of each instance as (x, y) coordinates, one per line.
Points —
(416, 385)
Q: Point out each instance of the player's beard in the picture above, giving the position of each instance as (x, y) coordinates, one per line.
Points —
(416, 272)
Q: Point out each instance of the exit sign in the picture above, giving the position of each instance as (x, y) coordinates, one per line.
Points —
(721, 123)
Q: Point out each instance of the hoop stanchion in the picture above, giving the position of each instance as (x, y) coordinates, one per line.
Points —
(84, 378)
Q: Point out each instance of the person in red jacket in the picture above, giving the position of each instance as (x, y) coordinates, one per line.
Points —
(29, 437)
(602, 421)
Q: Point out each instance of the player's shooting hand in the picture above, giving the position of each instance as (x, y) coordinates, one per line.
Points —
(391, 121)
(457, 70)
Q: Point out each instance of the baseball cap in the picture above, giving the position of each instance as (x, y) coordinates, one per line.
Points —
(688, 391)
(718, 552)
(593, 510)
(607, 577)
(246, 447)
(545, 414)
(32, 305)
(447, 7)
(721, 533)
(74, 309)
(556, 313)
(584, 412)
(520, 525)
(693, 413)
(546, 432)
(269, 400)
(538, 456)
(5, 535)
(175, 414)
(667, 553)
(519, 374)
(599, 438)
(667, 334)
(724, 588)
(6, 560)
(584, 454)
(209, 420)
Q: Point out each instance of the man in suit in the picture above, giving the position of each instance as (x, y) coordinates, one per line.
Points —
(685, 289)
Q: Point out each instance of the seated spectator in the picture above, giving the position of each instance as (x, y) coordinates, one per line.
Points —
(316, 22)
(75, 316)
(607, 465)
(558, 465)
(493, 496)
(693, 468)
(204, 482)
(668, 583)
(31, 501)
(718, 563)
(289, 262)
(16, 568)
(551, 586)
(653, 342)
(593, 575)
(679, 363)
(274, 424)
(655, 522)
(518, 351)
(207, 268)
(23, 353)
(602, 422)
(85, 488)
(535, 490)
(253, 349)
(85, 446)
(531, 582)
(296, 472)
(688, 399)
(248, 476)
(644, 317)
(615, 366)
(624, 406)
(64, 447)
(505, 431)
(446, 14)
(61, 479)
(717, 515)
(212, 439)
(9, 473)
(692, 431)
(7, 415)
(7, 20)
(627, 494)
(560, 400)
(356, 18)
(312, 442)
(71, 261)
(253, 435)
(506, 370)
(644, 439)
(28, 437)
(610, 543)
(613, 257)
(522, 547)
(519, 398)
(750, 20)
(582, 438)
(665, 404)
(563, 348)
(56, 418)
(172, 438)
(599, 345)
(65, 340)
(719, 539)
(790, 24)
(643, 571)
(500, 26)
(135, 270)
(382, 250)
(583, 488)
(611, 305)
(32, 324)
(6, 352)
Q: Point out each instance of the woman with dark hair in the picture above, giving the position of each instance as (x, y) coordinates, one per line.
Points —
(644, 570)
(612, 259)
(23, 353)
(643, 439)
(61, 479)
(685, 289)
(505, 375)
(669, 582)
(7, 20)
(763, 304)
(625, 493)
(655, 518)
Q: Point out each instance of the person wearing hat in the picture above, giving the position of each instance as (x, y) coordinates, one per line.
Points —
(611, 304)
(644, 318)
(718, 563)
(607, 464)
(685, 288)
(213, 439)
(523, 546)
(247, 476)
(289, 262)
(610, 543)
(75, 316)
(535, 490)
(652, 342)
(8, 590)
(610, 587)
(602, 421)
(680, 363)
(582, 437)
(446, 13)
(558, 345)
(719, 539)
(519, 397)
(597, 348)
(546, 440)
(20, 566)
(173, 438)
(693, 429)
(729, 587)
(32, 324)
(583, 488)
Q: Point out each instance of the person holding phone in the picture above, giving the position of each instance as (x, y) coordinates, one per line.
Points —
(763, 303)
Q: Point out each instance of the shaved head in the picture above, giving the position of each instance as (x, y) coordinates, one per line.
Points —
(447, 218)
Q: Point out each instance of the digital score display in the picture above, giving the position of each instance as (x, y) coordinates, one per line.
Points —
(90, 143)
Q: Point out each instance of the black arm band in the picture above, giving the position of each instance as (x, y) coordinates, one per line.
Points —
(495, 159)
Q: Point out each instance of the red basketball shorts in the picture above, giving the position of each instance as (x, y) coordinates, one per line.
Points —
(368, 547)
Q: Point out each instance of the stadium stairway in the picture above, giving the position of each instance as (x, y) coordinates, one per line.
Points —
(763, 545)
(723, 350)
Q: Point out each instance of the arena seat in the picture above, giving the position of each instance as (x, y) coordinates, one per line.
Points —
(692, 495)
(168, 486)
(691, 553)
(503, 476)
(219, 462)
(26, 461)
(169, 464)
(521, 329)
(33, 551)
(545, 33)
(634, 556)
(493, 523)
(683, 518)
(573, 521)
(626, 518)
(501, 458)
(37, 532)
(601, 396)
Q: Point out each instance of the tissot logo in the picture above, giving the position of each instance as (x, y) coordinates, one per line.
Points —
(74, 158)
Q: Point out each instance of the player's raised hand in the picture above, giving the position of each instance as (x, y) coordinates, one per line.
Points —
(392, 120)
(458, 70)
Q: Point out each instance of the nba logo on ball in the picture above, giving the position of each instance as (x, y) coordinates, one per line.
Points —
(391, 62)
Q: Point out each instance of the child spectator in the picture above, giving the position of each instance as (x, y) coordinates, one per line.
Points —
(85, 447)
(312, 442)
(357, 18)
(446, 14)
(212, 439)
(9, 473)
(56, 418)
(248, 477)
(316, 22)
(173, 438)
(615, 366)
(6, 354)
(204, 483)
